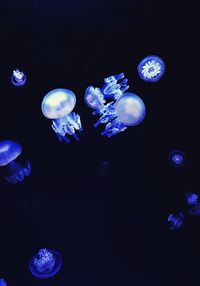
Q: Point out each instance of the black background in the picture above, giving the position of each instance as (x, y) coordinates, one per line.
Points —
(108, 221)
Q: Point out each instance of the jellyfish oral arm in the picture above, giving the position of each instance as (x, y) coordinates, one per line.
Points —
(114, 127)
(108, 114)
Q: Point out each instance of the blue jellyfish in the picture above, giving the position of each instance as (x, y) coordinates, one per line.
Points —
(2, 282)
(151, 68)
(128, 110)
(175, 221)
(176, 158)
(45, 264)
(15, 169)
(58, 105)
(18, 78)
(194, 203)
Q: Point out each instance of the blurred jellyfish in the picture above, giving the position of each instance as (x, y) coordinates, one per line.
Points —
(176, 158)
(45, 264)
(175, 221)
(2, 282)
(58, 105)
(104, 168)
(18, 78)
(14, 167)
(194, 203)
(151, 68)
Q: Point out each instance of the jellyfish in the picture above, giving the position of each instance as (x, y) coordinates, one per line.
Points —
(194, 203)
(45, 264)
(14, 167)
(176, 158)
(2, 282)
(58, 105)
(18, 78)
(175, 221)
(129, 110)
(151, 68)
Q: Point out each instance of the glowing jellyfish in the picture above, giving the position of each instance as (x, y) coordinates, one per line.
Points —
(58, 105)
(13, 166)
(151, 68)
(194, 203)
(45, 264)
(175, 221)
(2, 282)
(176, 158)
(18, 78)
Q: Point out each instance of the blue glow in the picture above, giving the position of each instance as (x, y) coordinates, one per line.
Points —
(191, 198)
(14, 169)
(18, 78)
(151, 68)
(58, 105)
(2, 282)
(195, 209)
(45, 264)
(175, 221)
(176, 158)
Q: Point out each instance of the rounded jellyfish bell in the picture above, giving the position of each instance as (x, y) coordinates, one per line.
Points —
(130, 109)
(45, 264)
(151, 68)
(9, 151)
(176, 158)
(94, 98)
(58, 103)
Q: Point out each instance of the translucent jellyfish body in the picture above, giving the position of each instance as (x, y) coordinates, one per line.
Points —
(176, 158)
(175, 221)
(2, 282)
(194, 203)
(151, 68)
(58, 105)
(18, 78)
(45, 264)
(14, 167)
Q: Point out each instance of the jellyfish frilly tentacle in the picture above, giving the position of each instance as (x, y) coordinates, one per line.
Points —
(9, 151)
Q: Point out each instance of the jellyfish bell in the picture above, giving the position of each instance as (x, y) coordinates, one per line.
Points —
(176, 158)
(94, 98)
(58, 103)
(9, 151)
(130, 109)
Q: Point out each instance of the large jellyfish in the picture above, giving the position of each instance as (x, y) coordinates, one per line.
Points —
(151, 68)
(194, 203)
(45, 264)
(58, 105)
(176, 158)
(175, 221)
(14, 167)
(18, 78)
(2, 282)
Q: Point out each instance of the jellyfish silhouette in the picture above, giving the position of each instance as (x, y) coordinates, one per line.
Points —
(175, 221)
(176, 158)
(18, 78)
(58, 105)
(14, 167)
(194, 203)
(151, 68)
(45, 264)
(2, 282)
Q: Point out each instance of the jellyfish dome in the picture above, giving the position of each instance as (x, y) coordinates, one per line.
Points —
(151, 68)
(45, 264)
(94, 98)
(130, 109)
(9, 151)
(58, 103)
(176, 158)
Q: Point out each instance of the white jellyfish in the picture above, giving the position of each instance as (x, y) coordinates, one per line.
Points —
(18, 78)
(58, 105)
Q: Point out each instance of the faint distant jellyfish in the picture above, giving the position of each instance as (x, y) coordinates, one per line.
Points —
(45, 264)
(14, 167)
(58, 105)
(151, 68)
(176, 158)
(194, 203)
(18, 78)
(175, 221)
(2, 282)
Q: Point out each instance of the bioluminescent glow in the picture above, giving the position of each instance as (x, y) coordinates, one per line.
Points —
(151, 68)
(58, 105)
(176, 221)
(45, 264)
(191, 198)
(18, 78)
(14, 169)
(176, 158)
(2, 282)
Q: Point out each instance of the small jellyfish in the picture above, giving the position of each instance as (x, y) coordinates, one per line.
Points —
(18, 78)
(14, 167)
(58, 105)
(2, 282)
(194, 203)
(175, 221)
(176, 158)
(45, 264)
(151, 68)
